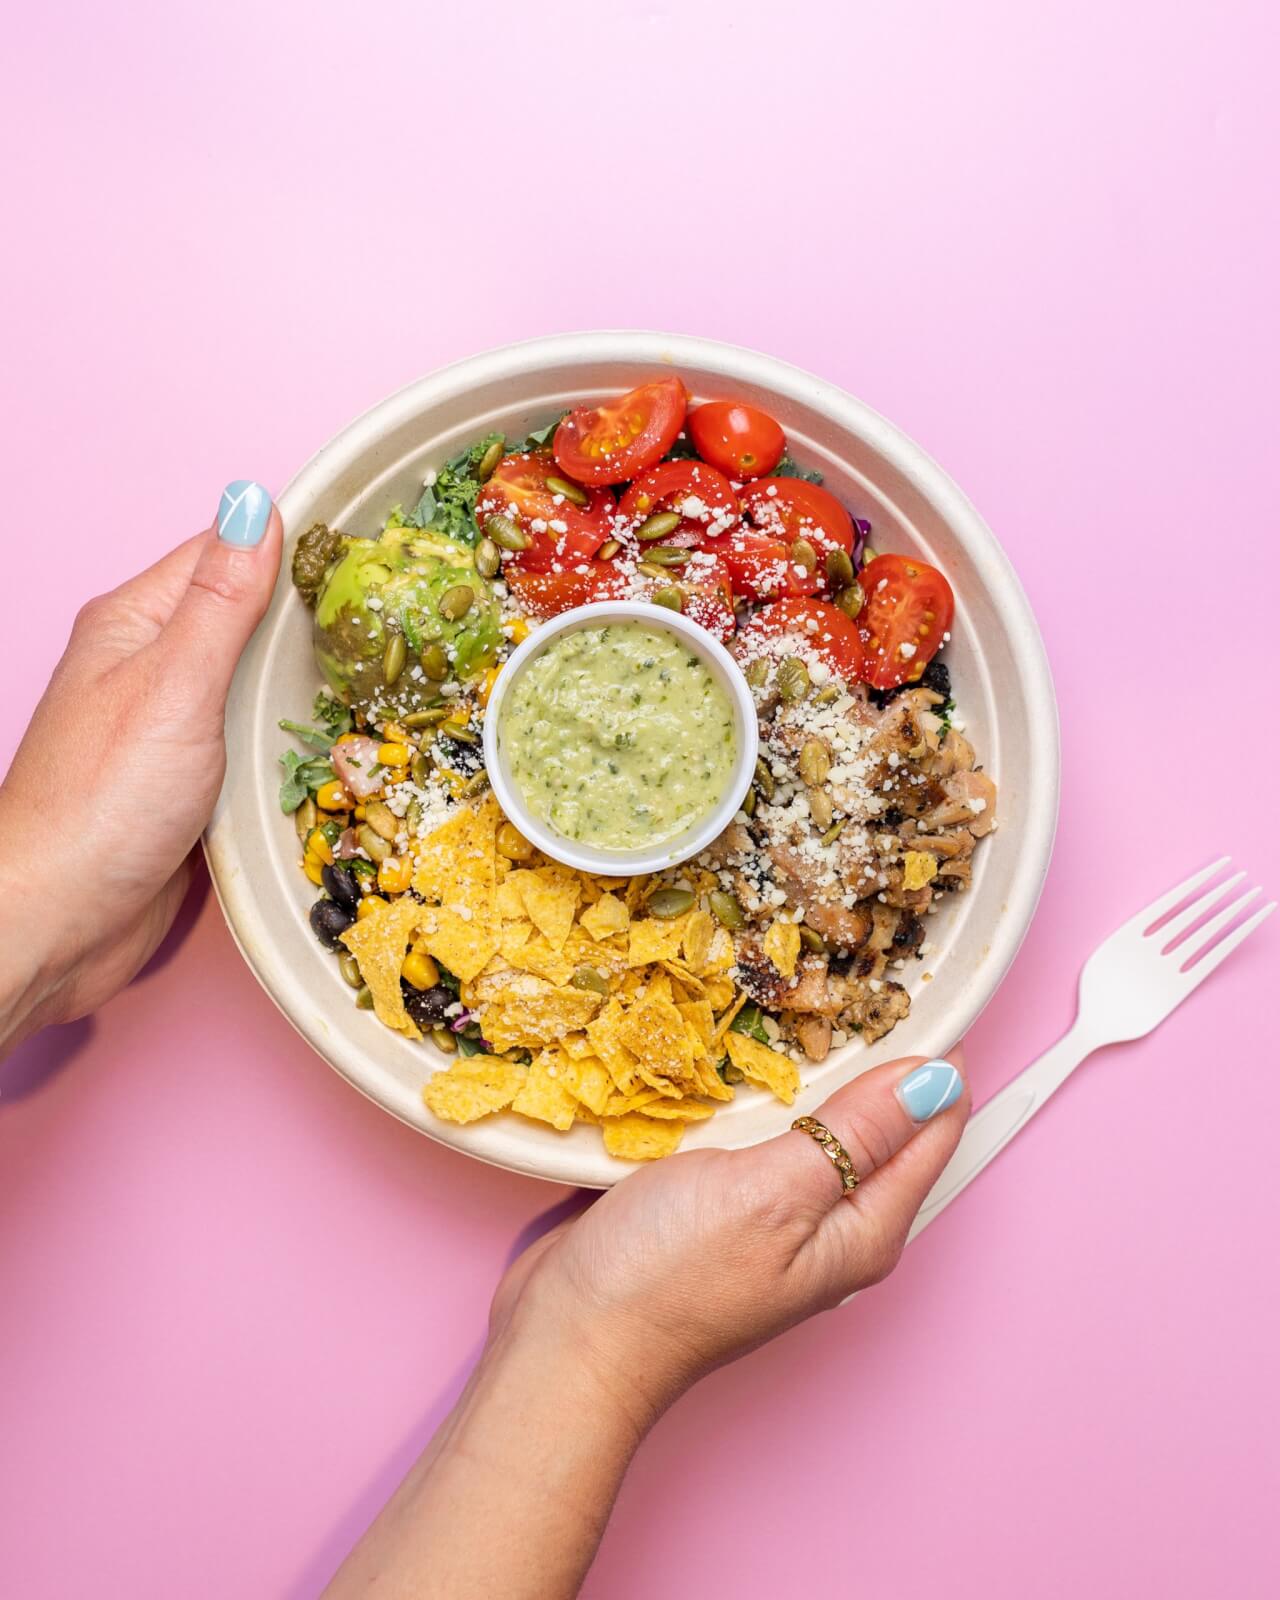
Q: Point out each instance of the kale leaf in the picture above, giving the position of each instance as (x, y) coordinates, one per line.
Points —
(750, 1020)
(301, 777)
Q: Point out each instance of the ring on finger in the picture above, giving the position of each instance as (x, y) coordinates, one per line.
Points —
(832, 1148)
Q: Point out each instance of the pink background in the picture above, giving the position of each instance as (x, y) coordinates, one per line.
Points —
(236, 1298)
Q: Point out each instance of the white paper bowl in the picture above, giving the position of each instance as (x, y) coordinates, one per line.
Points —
(694, 838)
(1000, 675)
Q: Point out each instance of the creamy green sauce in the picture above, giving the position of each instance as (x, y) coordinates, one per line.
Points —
(618, 736)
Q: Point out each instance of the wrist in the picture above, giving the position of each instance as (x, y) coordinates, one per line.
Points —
(34, 960)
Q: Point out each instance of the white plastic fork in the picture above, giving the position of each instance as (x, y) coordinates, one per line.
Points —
(1129, 985)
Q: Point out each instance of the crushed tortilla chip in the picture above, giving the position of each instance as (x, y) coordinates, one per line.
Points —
(656, 939)
(782, 946)
(550, 901)
(699, 1016)
(530, 1012)
(457, 876)
(587, 1079)
(473, 1087)
(655, 1033)
(679, 1110)
(918, 869)
(608, 916)
(760, 1064)
(379, 942)
(719, 992)
(635, 1137)
(699, 931)
(726, 1021)
(544, 1096)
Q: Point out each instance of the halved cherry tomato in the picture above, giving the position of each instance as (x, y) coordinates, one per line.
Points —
(791, 509)
(907, 609)
(825, 630)
(558, 533)
(761, 568)
(547, 594)
(737, 438)
(614, 442)
(704, 584)
(702, 496)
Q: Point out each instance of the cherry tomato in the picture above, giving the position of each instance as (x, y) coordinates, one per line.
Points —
(614, 442)
(791, 509)
(703, 497)
(761, 568)
(908, 606)
(704, 585)
(558, 533)
(547, 594)
(824, 629)
(741, 441)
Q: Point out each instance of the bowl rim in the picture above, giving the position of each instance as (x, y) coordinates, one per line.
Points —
(638, 349)
(623, 863)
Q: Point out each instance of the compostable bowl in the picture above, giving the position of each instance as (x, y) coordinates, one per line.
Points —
(999, 672)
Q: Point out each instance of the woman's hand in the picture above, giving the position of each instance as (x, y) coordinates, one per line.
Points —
(118, 772)
(603, 1322)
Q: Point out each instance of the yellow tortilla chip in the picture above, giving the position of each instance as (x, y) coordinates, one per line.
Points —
(722, 1027)
(655, 1033)
(509, 902)
(721, 956)
(580, 949)
(679, 1110)
(538, 957)
(699, 1016)
(550, 900)
(617, 1105)
(544, 1096)
(587, 1078)
(576, 1045)
(760, 1064)
(719, 992)
(699, 931)
(681, 974)
(782, 946)
(918, 869)
(608, 916)
(710, 1083)
(619, 1062)
(635, 1137)
(529, 1012)
(635, 893)
(513, 937)
(473, 1087)
(379, 942)
(457, 874)
(457, 939)
(656, 939)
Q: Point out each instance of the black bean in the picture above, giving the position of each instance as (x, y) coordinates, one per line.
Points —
(329, 921)
(427, 1007)
(341, 885)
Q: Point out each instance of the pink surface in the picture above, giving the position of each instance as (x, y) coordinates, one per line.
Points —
(1042, 239)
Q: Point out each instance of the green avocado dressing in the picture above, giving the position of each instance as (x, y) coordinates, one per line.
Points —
(618, 736)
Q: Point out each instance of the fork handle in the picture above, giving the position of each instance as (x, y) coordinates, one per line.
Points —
(989, 1129)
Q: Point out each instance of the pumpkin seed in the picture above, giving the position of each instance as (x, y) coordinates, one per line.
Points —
(833, 832)
(749, 803)
(821, 808)
(512, 843)
(444, 1039)
(372, 843)
(455, 603)
(477, 783)
(728, 909)
(667, 903)
(364, 997)
(435, 664)
(815, 762)
(667, 555)
(658, 525)
(572, 493)
(304, 818)
(507, 535)
(850, 599)
(424, 719)
(381, 819)
(868, 555)
(490, 459)
(651, 570)
(839, 568)
(393, 658)
(413, 816)
(669, 597)
(764, 778)
(420, 769)
(804, 555)
(811, 939)
(349, 967)
(608, 550)
(758, 672)
(827, 695)
(488, 559)
(589, 978)
(460, 735)
(793, 679)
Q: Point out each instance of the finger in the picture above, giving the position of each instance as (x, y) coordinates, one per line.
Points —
(154, 593)
(228, 592)
(127, 618)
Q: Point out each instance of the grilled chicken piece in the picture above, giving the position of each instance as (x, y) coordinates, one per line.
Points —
(813, 1034)
(840, 925)
(955, 754)
(732, 847)
(962, 792)
(954, 846)
(874, 1013)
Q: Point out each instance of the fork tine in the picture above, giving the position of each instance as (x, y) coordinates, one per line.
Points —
(1202, 938)
(1166, 903)
(1220, 952)
(1179, 924)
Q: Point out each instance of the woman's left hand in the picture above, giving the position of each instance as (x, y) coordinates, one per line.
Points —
(119, 770)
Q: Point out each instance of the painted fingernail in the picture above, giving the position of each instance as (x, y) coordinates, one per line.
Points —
(929, 1089)
(243, 513)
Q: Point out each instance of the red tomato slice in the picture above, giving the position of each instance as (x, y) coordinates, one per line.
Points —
(702, 496)
(547, 594)
(791, 509)
(742, 441)
(761, 568)
(614, 442)
(708, 597)
(825, 630)
(558, 533)
(907, 609)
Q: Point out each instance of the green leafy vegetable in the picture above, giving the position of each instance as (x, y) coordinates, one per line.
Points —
(301, 777)
(787, 468)
(469, 1045)
(539, 439)
(448, 505)
(333, 717)
(750, 1020)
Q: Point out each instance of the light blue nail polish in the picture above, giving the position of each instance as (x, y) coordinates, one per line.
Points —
(243, 513)
(930, 1089)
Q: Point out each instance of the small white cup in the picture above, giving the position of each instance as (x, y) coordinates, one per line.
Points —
(699, 834)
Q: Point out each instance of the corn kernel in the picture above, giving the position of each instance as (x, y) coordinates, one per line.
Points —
(332, 796)
(318, 845)
(393, 776)
(518, 630)
(512, 843)
(393, 755)
(419, 970)
(459, 716)
(367, 906)
(486, 688)
(360, 813)
(312, 866)
(393, 732)
(395, 874)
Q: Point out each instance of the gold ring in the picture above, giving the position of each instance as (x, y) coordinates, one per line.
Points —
(833, 1149)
